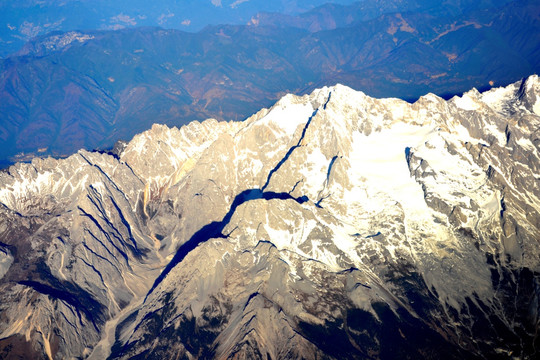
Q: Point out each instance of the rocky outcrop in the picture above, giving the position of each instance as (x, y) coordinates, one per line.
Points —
(332, 225)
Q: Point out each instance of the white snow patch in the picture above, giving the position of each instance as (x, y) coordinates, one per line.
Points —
(458, 179)
(536, 107)
(526, 144)
(494, 130)
(315, 169)
(379, 161)
(5, 262)
(287, 115)
(497, 98)
(27, 188)
(466, 102)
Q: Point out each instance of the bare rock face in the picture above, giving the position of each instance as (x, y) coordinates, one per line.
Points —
(332, 225)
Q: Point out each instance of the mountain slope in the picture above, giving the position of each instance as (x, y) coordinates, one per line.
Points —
(22, 21)
(332, 225)
(334, 15)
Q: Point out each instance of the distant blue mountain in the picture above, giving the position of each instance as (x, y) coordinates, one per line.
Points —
(22, 20)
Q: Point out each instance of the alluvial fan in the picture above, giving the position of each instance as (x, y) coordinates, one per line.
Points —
(332, 225)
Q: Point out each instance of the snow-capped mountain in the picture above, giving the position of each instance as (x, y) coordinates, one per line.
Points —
(332, 225)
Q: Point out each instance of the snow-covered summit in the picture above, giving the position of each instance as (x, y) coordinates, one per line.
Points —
(384, 224)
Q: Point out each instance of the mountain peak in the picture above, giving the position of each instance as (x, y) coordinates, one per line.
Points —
(329, 218)
(528, 94)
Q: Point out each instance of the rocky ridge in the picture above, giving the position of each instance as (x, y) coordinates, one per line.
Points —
(332, 225)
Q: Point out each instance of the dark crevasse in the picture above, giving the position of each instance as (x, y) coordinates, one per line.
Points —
(298, 144)
(289, 152)
(215, 228)
(330, 169)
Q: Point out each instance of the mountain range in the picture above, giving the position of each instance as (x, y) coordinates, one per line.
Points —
(20, 21)
(87, 89)
(331, 225)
